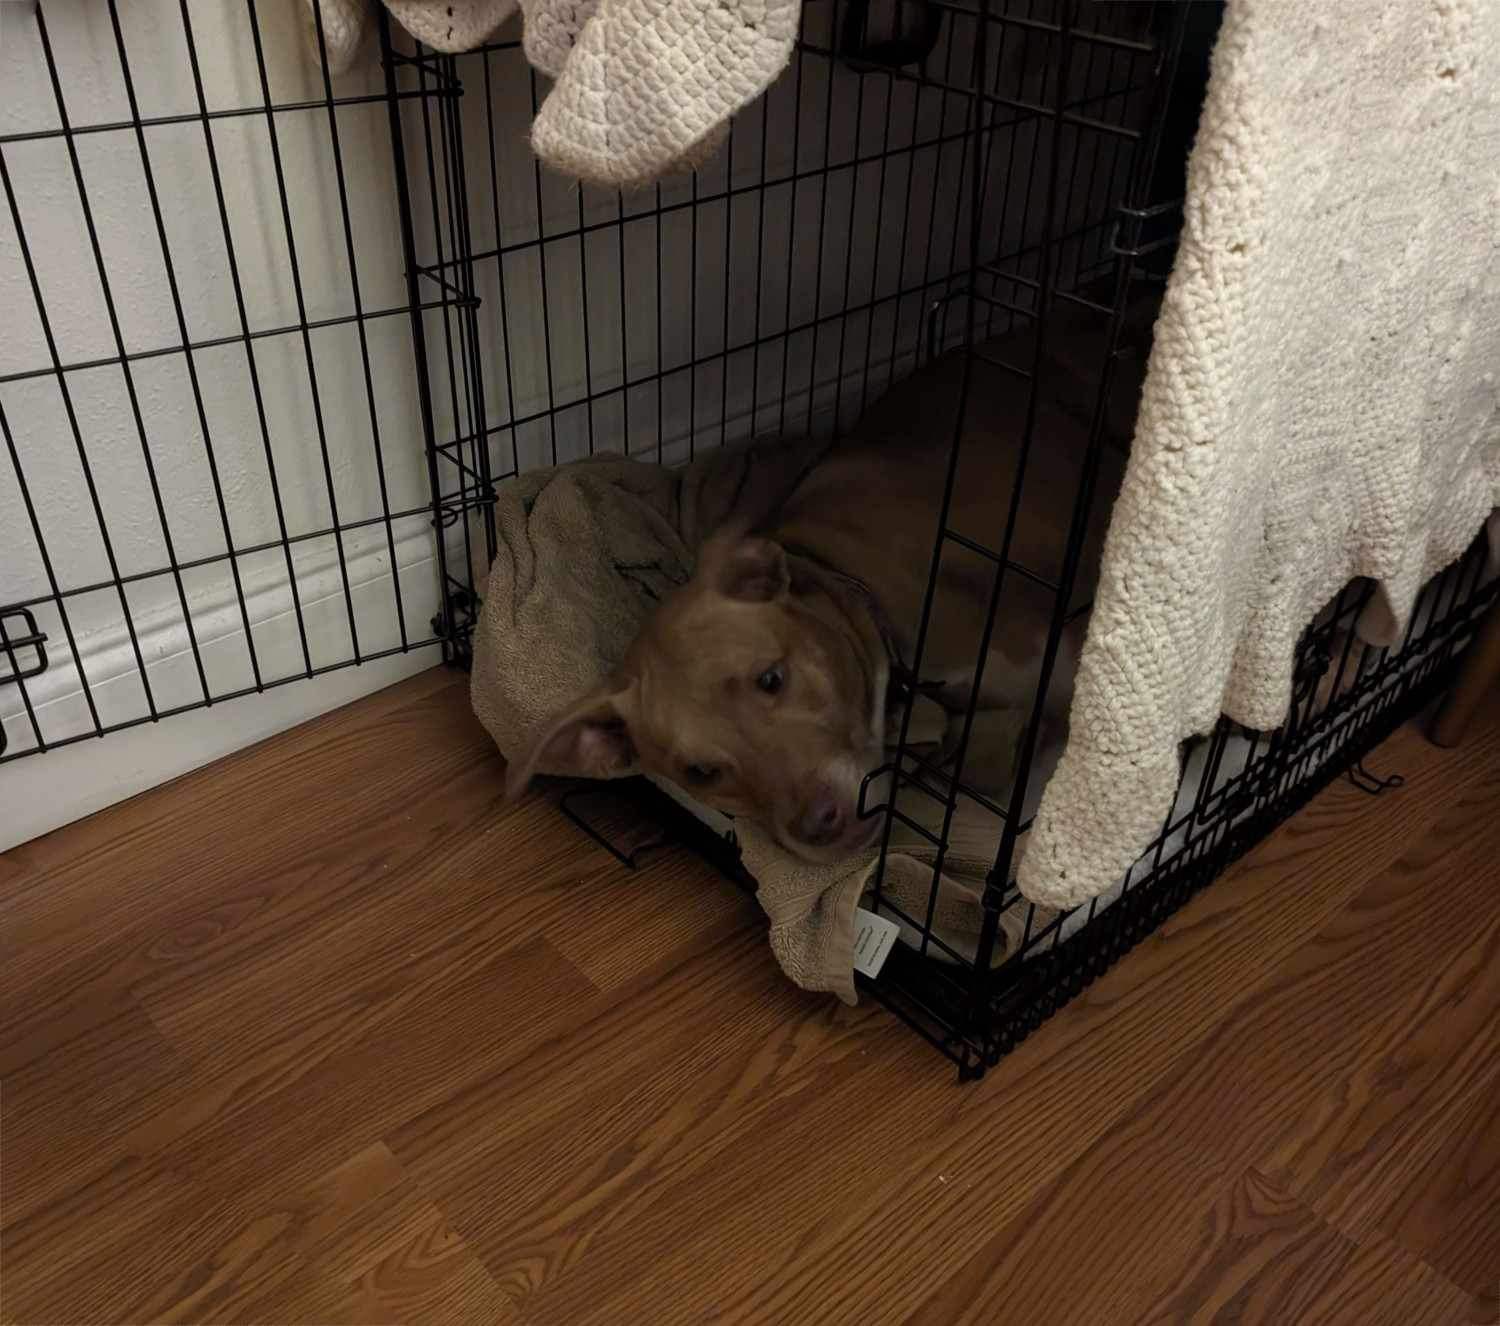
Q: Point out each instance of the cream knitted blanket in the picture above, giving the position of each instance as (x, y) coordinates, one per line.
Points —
(642, 87)
(646, 86)
(1322, 396)
(337, 29)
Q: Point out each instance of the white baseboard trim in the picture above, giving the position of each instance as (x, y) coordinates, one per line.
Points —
(45, 792)
(51, 788)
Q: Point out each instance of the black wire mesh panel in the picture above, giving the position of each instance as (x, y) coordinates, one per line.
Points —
(976, 996)
(777, 289)
(213, 478)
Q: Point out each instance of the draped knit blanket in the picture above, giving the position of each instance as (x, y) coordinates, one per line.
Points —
(641, 87)
(646, 86)
(1322, 400)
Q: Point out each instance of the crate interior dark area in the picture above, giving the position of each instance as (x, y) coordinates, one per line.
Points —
(291, 468)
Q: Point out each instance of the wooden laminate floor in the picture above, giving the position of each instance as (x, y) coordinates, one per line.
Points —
(325, 1034)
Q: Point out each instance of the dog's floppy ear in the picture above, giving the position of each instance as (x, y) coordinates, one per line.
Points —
(746, 567)
(589, 739)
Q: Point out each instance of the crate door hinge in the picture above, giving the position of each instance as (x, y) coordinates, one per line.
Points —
(23, 651)
(23, 647)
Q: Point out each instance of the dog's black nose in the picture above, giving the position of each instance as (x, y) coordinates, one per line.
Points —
(821, 822)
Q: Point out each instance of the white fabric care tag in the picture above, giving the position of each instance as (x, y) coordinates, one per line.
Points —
(873, 937)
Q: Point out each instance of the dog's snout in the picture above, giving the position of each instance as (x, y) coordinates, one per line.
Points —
(821, 821)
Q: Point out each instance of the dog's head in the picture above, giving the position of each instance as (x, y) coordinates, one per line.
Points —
(755, 687)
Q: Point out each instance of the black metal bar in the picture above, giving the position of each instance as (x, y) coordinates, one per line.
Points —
(16, 673)
(101, 524)
(791, 253)
(203, 116)
(630, 860)
(541, 230)
(510, 372)
(554, 406)
(32, 637)
(728, 261)
(441, 204)
(215, 559)
(976, 195)
(307, 348)
(843, 323)
(879, 229)
(760, 263)
(237, 693)
(692, 424)
(114, 319)
(460, 609)
(364, 343)
(245, 337)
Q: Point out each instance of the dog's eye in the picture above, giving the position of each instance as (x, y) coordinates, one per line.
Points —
(772, 679)
(700, 775)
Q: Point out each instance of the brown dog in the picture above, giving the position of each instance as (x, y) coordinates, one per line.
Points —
(761, 687)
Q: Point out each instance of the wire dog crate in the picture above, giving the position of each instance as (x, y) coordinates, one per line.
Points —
(927, 178)
(895, 197)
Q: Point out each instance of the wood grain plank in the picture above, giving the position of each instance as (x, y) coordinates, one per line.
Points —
(1353, 1149)
(412, 1269)
(186, 1257)
(433, 1281)
(604, 1130)
(1264, 1258)
(182, 899)
(359, 1239)
(1164, 1246)
(1383, 1284)
(88, 1093)
(459, 1031)
(901, 1235)
(1098, 1243)
(622, 928)
(46, 1248)
(207, 1181)
(1302, 1029)
(251, 1077)
(358, 957)
(731, 1177)
(51, 884)
(1450, 1213)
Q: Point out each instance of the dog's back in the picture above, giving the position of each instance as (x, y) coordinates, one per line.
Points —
(872, 505)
